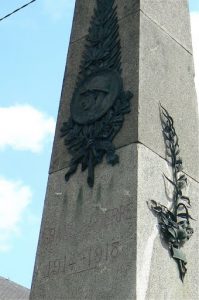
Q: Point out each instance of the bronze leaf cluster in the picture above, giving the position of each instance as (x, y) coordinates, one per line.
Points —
(174, 224)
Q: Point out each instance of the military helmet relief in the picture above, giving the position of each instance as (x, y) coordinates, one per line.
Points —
(99, 101)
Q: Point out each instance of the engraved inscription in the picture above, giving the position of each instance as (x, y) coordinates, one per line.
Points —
(88, 259)
(107, 232)
(98, 218)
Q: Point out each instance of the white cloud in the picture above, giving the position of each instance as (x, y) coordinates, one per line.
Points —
(195, 39)
(23, 127)
(58, 8)
(14, 199)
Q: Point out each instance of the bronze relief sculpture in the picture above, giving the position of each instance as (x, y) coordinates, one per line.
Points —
(99, 101)
(174, 223)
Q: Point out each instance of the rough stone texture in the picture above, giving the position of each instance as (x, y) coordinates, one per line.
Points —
(87, 246)
(157, 273)
(166, 76)
(172, 17)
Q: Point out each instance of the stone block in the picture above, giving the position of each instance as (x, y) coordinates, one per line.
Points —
(157, 273)
(167, 77)
(172, 17)
(87, 246)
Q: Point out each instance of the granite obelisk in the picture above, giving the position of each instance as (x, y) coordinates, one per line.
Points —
(126, 135)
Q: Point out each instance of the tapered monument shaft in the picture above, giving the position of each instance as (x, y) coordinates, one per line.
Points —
(127, 124)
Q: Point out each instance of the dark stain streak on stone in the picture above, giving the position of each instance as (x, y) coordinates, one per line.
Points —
(79, 203)
(111, 185)
(99, 193)
(65, 202)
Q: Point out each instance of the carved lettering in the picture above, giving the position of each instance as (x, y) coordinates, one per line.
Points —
(90, 259)
(98, 218)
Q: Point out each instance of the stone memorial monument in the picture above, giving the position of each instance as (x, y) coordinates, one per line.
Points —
(120, 219)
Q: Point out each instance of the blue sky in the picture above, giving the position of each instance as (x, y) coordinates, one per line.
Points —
(33, 47)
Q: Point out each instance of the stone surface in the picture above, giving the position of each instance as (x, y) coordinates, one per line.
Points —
(60, 157)
(157, 273)
(84, 11)
(172, 17)
(104, 243)
(166, 77)
(87, 246)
